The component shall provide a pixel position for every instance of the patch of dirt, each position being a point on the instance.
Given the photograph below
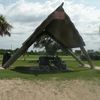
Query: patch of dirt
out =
(18, 89)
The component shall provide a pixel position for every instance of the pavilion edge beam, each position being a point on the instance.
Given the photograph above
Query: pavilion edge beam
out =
(87, 56)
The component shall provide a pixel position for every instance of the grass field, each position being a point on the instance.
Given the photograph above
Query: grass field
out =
(31, 60)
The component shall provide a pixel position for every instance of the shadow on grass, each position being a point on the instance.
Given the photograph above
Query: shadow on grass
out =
(98, 71)
(36, 71)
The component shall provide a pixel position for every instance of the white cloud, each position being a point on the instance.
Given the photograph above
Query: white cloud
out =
(84, 17)
(2, 10)
(22, 14)
(25, 16)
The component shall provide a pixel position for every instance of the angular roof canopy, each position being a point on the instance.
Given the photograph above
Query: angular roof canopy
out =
(59, 26)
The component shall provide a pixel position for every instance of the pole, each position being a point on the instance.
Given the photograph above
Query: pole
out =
(76, 58)
(87, 56)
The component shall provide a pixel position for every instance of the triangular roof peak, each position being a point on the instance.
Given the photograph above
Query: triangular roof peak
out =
(59, 26)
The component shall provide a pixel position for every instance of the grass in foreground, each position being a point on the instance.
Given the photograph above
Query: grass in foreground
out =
(85, 74)
(78, 73)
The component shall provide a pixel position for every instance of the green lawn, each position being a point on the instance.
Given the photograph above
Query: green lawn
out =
(78, 73)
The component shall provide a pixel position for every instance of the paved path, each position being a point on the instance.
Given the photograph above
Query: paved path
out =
(95, 67)
(1, 68)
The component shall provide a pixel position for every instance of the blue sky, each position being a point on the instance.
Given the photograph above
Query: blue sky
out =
(26, 15)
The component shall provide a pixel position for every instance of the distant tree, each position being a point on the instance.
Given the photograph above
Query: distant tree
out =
(50, 45)
(15, 49)
(2, 51)
(5, 27)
